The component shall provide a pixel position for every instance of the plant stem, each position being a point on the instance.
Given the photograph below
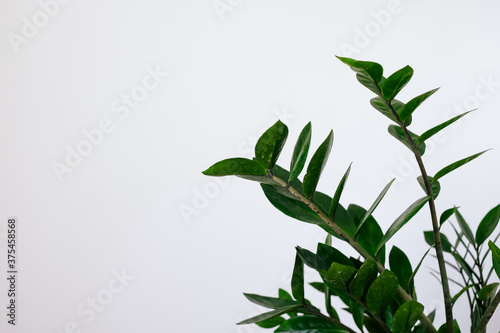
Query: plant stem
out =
(435, 226)
(355, 245)
(481, 327)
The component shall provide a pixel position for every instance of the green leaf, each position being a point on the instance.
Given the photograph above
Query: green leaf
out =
(417, 268)
(402, 220)
(338, 193)
(300, 152)
(397, 81)
(369, 69)
(435, 186)
(268, 315)
(312, 260)
(308, 324)
(374, 205)
(291, 207)
(446, 215)
(429, 238)
(373, 326)
(381, 105)
(298, 279)
(415, 103)
(456, 328)
(270, 302)
(339, 275)
(365, 276)
(400, 265)
(236, 167)
(284, 294)
(495, 256)
(465, 266)
(357, 312)
(270, 144)
(344, 220)
(487, 225)
(370, 234)
(271, 322)
(399, 134)
(407, 316)
(465, 227)
(381, 292)
(330, 255)
(457, 296)
(488, 291)
(316, 166)
(368, 83)
(426, 135)
(446, 170)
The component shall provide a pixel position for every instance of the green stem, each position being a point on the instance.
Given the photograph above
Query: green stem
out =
(355, 245)
(481, 327)
(435, 225)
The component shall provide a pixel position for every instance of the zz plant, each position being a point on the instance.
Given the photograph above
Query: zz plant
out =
(377, 289)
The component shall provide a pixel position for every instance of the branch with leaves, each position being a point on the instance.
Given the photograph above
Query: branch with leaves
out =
(379, 298)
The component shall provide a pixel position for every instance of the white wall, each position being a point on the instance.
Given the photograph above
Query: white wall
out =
(224, 71)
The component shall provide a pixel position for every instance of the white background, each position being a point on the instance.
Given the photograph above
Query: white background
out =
(137, 203)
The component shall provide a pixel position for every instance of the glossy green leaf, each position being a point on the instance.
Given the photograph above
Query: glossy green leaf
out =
(465, 227)
(236, 167)
(365, 276)
(270, 144)
(298, 279)
(415, 103)
(402, 220)
(270, 302)
(488, 291)
(446, 215)
(369, 69)
(369, 83)
(460, 293)
(268, 315)
(495, 256)
(339, 275)
(426, 135)
(463, 264)
(399, 134)
(308, 324)
(312, 260)
(429, 239)
(330, 255)
(381, 292)
(380, 105)
(487, 225)
(300, 152)
(284, 294)
(271, 322)
(370, 234)
(291, 207)
(400, 265)
(446, 170)
(338, 193)
(407, 316)
(415, 271)
(397, 81)
(344, 220)
(374, 206)
(435, 186)
(316, 166)
(456, 328)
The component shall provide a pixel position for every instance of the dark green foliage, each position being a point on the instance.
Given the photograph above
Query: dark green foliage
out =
(378, 299)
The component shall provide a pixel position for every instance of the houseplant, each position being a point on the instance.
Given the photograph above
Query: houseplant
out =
(377, 287)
